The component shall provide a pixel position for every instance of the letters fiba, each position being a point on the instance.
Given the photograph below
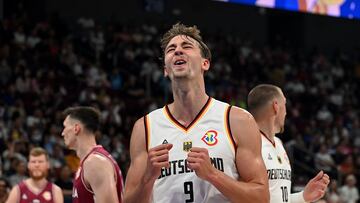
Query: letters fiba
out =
(180, 167)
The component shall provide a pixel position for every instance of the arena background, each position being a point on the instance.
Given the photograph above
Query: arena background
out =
(56, 54)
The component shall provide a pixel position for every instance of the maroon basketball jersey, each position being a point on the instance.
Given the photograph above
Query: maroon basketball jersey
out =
(82, 192)
(27, 196)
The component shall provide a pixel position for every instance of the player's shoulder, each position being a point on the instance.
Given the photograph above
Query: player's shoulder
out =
(95, 160)
(240, 114)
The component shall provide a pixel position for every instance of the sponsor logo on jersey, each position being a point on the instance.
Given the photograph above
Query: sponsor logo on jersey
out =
(270, 157)
(210, 138)
(187, 145)
(24, 196)
(165, 141)
(47, 196)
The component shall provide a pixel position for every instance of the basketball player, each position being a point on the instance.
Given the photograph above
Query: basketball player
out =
(196, 149)
(98, 178)
(267, 105)
(36, 189)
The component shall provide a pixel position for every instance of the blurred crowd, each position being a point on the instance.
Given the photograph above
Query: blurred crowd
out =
(48, 65)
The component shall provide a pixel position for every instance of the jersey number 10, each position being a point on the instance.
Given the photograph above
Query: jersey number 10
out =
(285, 194)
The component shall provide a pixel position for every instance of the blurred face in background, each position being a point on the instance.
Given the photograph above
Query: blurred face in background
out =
(280, 106)
(38, 167)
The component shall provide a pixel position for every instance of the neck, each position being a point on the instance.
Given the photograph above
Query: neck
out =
(267, 127)
(187, 103)
(87, 144)
(37, 183)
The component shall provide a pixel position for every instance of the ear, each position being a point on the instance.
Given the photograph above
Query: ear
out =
(165, 72)
(205, 64)
(77, 128)
(275, 106)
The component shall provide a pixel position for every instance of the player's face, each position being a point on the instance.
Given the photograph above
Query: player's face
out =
(38, 167)
(69, 133)
(281, 113)
(183, 58)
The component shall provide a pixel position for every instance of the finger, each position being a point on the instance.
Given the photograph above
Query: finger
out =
(318, 176)
(326, 179)
(162, 164)
(198, 149)
(193, 154)
(158, 159)
(159, 153)
(194, 166)
(193, 160)
(161, 147)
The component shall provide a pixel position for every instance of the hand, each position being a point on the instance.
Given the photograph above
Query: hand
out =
(199, 161)
(158, 157)
(316, 187)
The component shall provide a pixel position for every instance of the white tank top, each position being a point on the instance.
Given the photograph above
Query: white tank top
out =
(178, 184)
(278, 170)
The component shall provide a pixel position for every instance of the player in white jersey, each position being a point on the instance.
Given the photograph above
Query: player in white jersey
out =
(267, 103)
(196, 149)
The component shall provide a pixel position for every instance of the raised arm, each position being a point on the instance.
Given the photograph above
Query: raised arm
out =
(100, 175)
(145, 166)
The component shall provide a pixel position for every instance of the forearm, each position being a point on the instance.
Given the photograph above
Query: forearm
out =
(297, 197)
(141, 193)
(239, 191)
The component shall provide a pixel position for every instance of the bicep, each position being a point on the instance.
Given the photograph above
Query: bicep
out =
(102, 183)
(138, 155)
(248, 152)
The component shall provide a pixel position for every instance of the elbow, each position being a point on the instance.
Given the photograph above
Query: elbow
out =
(263, 194)
(266, 195)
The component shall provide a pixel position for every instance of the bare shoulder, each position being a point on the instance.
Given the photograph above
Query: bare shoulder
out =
(240, 114)
(137, 141)
(95, 161)
(242, 124)
(56, 187)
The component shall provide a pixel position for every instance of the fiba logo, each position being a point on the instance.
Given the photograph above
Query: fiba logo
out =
(210, 138)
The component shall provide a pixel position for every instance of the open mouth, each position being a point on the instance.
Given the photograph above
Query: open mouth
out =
(179, 62)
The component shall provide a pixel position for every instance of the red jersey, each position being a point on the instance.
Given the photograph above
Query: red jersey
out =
(27, 196)
(82, 192)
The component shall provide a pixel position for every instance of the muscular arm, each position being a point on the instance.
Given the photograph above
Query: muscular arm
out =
(100, 175)
(252, 185)
(145, 166)
(58, 194)
(14, 195)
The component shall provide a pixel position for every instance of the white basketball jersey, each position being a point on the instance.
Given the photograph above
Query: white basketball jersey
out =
(179, 184)
(278, 170)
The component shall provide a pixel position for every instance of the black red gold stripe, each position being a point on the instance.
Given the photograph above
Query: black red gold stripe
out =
(228, 128)
(197, 117)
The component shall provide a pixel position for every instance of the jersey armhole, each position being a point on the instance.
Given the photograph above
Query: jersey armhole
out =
(147, 133)
(228, 127)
